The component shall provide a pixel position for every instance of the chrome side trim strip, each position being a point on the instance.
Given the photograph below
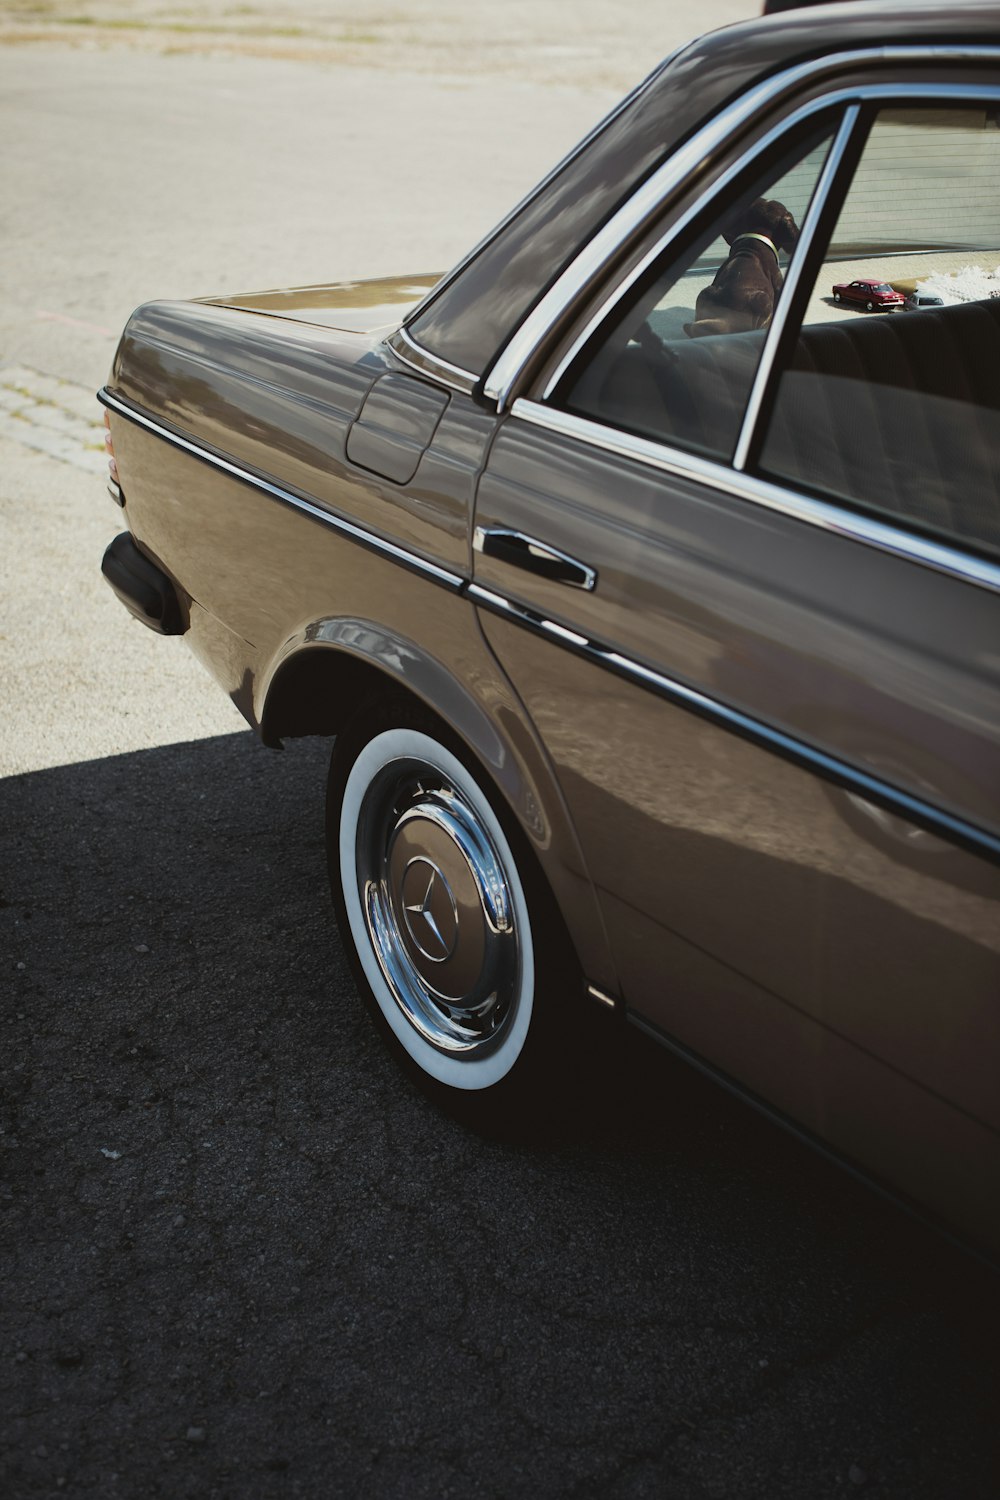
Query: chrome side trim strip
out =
(793, 276)
(689, 161)
(351, 529)
(829, 767)
(853, 525)
(425, 363)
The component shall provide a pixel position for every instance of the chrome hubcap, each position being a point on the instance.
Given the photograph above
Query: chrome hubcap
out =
(438, 909)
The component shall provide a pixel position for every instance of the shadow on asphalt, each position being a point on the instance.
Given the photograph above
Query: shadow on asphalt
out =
(241, 1256)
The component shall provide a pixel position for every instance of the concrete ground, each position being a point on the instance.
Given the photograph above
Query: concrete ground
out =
(154, 151)
(238, 1256)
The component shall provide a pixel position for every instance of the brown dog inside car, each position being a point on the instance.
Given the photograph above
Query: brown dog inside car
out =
(747, 284)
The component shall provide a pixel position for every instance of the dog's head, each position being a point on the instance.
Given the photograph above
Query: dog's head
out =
(764, 216)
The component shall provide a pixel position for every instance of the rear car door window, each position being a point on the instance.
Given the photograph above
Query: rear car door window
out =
(676, 359)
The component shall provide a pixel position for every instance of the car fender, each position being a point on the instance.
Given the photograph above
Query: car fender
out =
(330, 665)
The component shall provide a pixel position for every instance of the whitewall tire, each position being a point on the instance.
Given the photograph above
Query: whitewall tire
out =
(439, 911)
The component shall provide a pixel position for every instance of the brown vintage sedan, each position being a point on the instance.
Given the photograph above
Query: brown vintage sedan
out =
(653, 600)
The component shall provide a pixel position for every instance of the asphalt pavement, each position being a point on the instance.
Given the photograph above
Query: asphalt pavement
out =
(239, 1255)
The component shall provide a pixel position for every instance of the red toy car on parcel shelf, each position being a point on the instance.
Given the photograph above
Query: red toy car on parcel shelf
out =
(870, 293)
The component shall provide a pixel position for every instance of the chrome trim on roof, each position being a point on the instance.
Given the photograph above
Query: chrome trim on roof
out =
(853, 525)
(687, 162)
(425, 363)
(350, 529)
(851, 778)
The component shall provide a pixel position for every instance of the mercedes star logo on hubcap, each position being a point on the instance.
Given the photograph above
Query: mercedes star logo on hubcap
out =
(429, 910)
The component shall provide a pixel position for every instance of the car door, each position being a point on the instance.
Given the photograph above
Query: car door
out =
(747, 587)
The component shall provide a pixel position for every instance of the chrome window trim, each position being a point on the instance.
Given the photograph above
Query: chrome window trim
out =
(793, 276)
(853, 525)
(853, 98)
(688, 159)
(351, 529)
(842, 773)
(677, 228)
(425, 363)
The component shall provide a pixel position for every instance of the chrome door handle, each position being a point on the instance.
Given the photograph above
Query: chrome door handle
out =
(535, 556)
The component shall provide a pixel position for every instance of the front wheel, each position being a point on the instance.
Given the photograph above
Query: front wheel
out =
(437, 912)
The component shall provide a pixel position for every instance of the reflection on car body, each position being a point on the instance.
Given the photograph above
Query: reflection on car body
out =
(662, 669)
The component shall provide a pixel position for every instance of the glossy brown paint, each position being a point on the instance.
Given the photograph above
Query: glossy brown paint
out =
(754, 915)
(754, 925)
(282, 400)
(395, 427)
(265, 585)
(373, 306)
(839, 964)
(816, 634)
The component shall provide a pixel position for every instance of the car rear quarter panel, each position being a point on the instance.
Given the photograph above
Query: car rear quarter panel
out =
(267, 582)
(280, 400)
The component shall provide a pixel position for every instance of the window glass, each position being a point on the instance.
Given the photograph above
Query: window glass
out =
(675, 362)
(891, 396)
(468, 322)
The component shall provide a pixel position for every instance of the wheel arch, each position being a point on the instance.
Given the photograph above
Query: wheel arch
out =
(325, 674)
(330, 668)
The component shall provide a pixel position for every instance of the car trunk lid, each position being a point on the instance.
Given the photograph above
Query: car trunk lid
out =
(355, 306)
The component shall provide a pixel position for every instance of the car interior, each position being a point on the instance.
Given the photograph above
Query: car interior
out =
(894, 411)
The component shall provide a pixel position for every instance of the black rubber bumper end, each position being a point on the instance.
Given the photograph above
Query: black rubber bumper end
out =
(143, 588)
